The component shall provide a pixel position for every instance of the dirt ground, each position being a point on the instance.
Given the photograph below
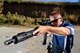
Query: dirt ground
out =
(32, 45)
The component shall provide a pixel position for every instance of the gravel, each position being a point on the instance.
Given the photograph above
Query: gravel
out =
(32, 45)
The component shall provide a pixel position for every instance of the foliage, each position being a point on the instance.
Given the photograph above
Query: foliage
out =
(2, 19)
(12, 19)
(15, 19)
(18, 19)
(73, 19)
(12, 1)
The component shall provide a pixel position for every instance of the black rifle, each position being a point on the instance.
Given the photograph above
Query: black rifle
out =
(44, 22)
(21, 37)
(26, 35)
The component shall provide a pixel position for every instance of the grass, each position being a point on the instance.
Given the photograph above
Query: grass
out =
(20, 20)
(17, 20)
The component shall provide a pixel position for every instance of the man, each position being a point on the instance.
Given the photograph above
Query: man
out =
(62, 32)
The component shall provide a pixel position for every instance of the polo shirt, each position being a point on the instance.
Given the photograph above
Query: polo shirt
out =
(62, 43)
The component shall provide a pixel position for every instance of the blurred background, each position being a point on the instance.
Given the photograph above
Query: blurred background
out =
(28, 12)
(23, 15)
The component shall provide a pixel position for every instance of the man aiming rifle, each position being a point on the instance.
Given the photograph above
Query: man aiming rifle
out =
(63, 33)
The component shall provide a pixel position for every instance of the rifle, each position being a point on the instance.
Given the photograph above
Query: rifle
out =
(21, 37)
(44, 22)
(26, 35)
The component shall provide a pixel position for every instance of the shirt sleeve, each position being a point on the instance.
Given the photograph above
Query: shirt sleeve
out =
(71, 29)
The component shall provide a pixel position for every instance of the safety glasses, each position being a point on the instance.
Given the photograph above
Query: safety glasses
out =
(55, 20)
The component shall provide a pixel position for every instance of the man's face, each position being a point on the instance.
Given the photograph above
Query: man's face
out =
(55, 20)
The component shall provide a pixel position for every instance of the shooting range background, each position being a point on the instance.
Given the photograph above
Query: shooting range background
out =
(32, 45)
(35, 10)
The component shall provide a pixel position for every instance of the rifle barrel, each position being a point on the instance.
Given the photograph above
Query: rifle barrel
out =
(9, 41)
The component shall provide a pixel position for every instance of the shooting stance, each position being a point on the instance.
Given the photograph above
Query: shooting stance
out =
(62, 32)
